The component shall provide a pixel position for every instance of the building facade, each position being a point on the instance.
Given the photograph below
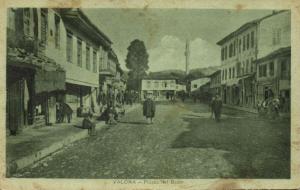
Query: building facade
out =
(197, 83)
(274, 76)
(239, 54)
(85, 49)
(215, 82)
(35, 80)
(162, 89)
(53, 55)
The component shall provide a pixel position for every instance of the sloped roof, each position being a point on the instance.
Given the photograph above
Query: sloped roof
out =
(279, 52)
(246, 26)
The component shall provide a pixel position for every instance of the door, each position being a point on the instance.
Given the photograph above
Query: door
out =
(15, 107)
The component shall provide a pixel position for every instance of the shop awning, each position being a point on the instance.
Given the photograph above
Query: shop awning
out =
(48, 77)
(48, 81)
(81, 83)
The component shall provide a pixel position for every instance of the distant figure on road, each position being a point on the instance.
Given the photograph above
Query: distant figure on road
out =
(88, 123)
(149, 109)
(217, 107)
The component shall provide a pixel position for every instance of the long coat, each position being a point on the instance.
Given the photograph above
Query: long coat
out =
(149, 108)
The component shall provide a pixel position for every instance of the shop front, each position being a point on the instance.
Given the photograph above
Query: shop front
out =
(32, 86)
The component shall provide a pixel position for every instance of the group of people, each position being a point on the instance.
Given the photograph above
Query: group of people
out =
(272, 106)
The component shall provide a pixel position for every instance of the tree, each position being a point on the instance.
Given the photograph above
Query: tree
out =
(137, 63)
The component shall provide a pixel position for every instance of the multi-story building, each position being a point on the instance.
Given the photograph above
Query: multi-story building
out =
(35, 80)
(239, 53)
(161, 88)
(84, 51)
(54, 55)
(215, 82)
(108, 71)
(274, 58)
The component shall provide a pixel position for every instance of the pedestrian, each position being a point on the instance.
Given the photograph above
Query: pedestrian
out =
(182, 96)
(66, 111)
(217, 107)
(111, 115)
(149, 109)
(87, 123)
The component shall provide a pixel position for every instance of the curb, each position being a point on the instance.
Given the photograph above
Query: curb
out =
(23, 162)
(241, 109)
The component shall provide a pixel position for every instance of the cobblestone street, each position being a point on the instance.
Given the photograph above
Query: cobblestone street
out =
(184, 142)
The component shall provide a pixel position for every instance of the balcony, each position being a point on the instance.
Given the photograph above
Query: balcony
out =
(27, 43)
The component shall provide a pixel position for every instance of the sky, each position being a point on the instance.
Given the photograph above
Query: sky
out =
(165, 32)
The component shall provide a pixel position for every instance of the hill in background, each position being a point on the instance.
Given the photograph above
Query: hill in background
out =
(180, 75)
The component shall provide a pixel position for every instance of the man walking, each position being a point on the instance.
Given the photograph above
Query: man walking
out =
(149, 109)
(217, 107)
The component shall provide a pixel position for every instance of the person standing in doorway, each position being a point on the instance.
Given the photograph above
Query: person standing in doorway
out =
(149, 109)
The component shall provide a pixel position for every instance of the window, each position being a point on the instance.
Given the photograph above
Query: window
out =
(243, 67)
(88, 66)
(225, 52)
(222, 74)
(26, 20)
(240, 45)
(284, 70)
(230, 50)
(259, 71)
(148, 84)
(271, 68)
(244, 43)
(252, 65)
(276, 36)
(248, 41)
(195, 85)
(101, 58)
(252, 39)
(44, 25)
(238, 69)
(95, 61)
(57, 31)
(225, 74)
(229, 76)
(247, 66)
(234, 47)
(233, 72)
(79, 52)
(69, 47)
(264, 70)
(222, 54)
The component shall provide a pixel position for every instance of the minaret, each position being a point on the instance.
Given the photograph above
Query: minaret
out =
(187, 57)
